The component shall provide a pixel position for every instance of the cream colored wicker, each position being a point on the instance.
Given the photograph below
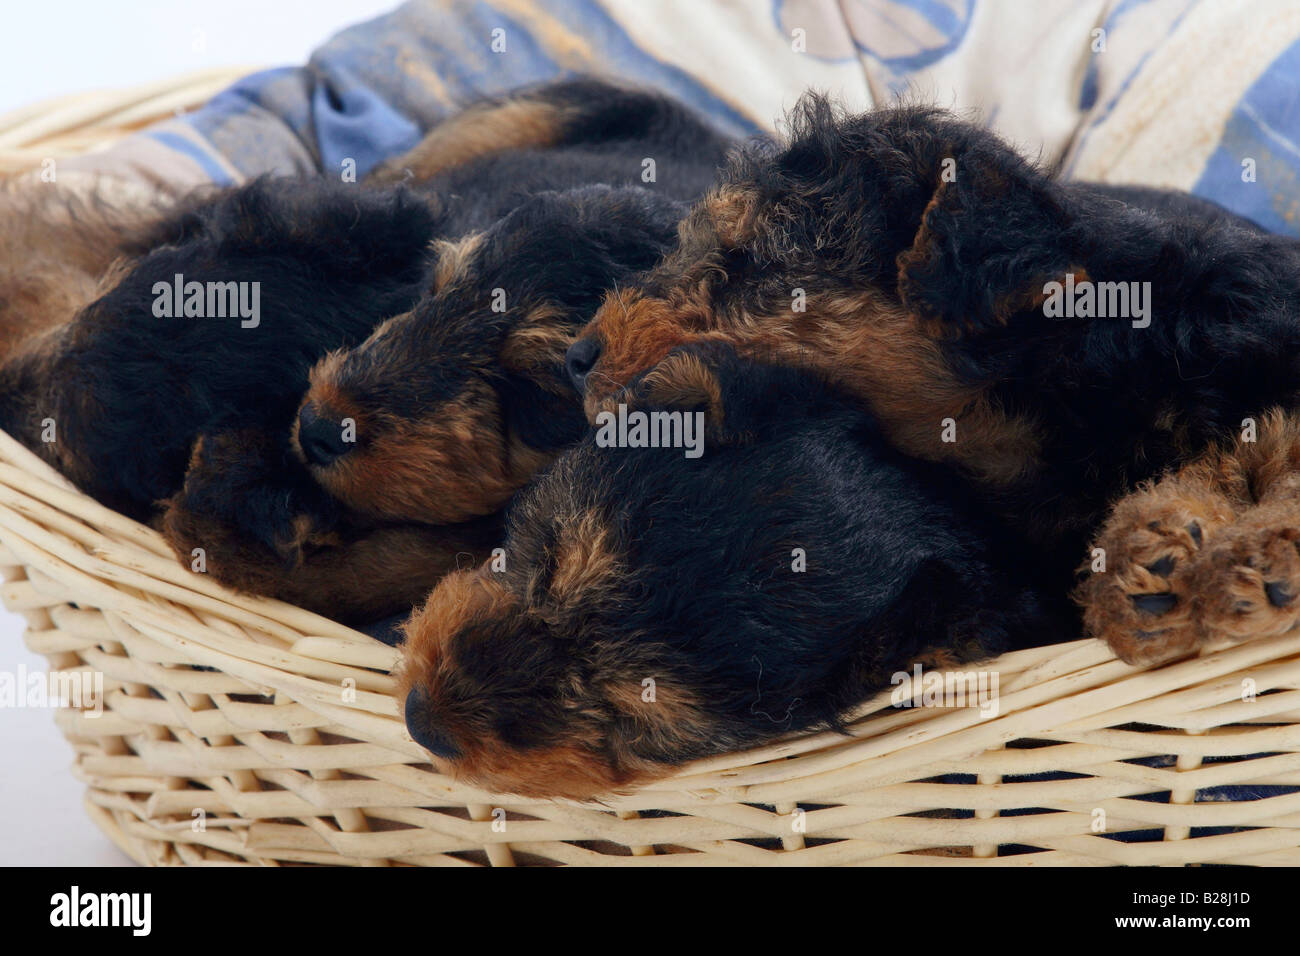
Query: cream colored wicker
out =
(243, 730)
(88, 121)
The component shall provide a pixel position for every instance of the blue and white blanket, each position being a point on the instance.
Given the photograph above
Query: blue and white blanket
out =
(1202, 95)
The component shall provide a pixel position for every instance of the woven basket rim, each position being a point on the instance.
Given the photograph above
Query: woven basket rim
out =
(1042, 686)
(79, 123)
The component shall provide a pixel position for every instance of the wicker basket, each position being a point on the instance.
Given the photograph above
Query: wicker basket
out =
(89, 121)
(243, 730)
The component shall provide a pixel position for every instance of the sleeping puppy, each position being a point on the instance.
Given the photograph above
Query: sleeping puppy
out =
(669, 601)
(213, 324)
(1059, 343)
(550, 196)
(183, 370)
(406, 447)
(172, 392)
(446, 410)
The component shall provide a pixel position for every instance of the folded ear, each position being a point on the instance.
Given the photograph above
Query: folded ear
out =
(740, 397)
(358, 233)
(567, 247)
(690, 378)
(992, 235)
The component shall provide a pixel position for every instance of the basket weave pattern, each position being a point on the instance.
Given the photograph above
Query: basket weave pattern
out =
(88, 121)
(243, 730)
(280, 727)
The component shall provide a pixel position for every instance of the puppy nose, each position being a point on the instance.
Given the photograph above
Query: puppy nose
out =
(580, 360)
(320, 438)
(420, 727)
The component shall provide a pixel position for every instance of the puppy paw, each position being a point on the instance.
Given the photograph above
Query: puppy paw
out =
(1248, 582)
(1144, 603)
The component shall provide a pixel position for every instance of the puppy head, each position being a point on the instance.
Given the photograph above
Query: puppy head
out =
(651, 608)
(445, 411)
(520, 677)
(210, 320)
(687, 298)
(498, 695)
(421, 421)
(829, 251)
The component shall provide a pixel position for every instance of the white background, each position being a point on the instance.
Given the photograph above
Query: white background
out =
(54, 48)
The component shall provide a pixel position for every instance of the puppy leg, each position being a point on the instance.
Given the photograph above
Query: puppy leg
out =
(571, 112)
(1209, 552)
(1248, 582)
(369, 576)
(516, 122)
(1142, 602)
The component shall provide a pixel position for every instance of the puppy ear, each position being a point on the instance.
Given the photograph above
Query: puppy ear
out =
(565, 248)
(740, 397)
(688, 379)
(919, 202)
(360, 233)
(992, 235)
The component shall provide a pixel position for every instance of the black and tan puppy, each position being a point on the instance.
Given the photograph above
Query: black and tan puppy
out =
(214, 325)
(448, 409)
(922, 264)
(172, 392)
(453, 407)
(202, 335)
(663, 603)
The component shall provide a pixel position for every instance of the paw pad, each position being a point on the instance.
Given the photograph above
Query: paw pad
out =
(1155, 604)
(1164, 567)
(1278, 594)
